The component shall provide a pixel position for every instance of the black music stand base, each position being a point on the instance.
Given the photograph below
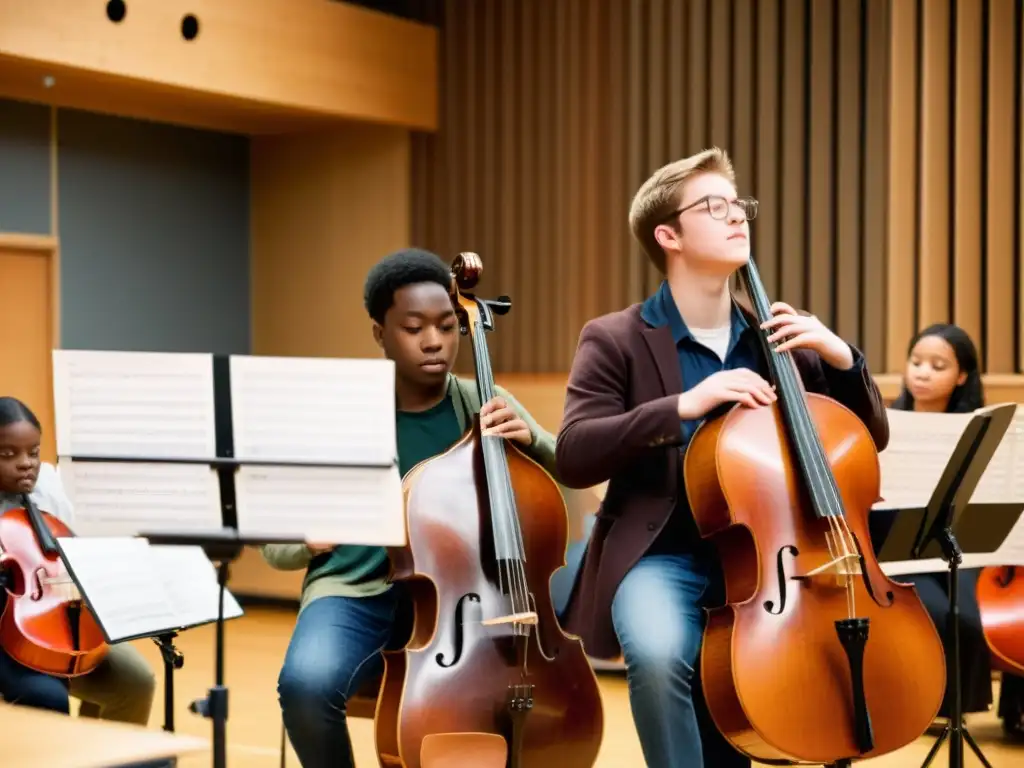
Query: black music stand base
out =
(215, 705)
(173, 659)
(955, 730)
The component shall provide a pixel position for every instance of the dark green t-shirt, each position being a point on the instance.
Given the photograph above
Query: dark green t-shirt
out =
(425, 434)
(421, 435)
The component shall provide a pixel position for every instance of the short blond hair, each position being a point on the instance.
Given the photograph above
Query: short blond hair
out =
(662, 193)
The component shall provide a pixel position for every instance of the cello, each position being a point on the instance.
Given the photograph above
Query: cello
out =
(46, 624)
(817, 656)
(1000, 593)
(488, 677)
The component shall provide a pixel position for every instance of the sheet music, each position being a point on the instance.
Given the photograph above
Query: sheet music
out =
(313, 409)
(125, 593)
(124, 499)
(134, 404)
(342, 506)
(920, 446)
(1004, 477)
(190, 580)
(138, 590)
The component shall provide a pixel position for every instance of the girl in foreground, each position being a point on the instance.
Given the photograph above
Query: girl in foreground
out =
(121, 688)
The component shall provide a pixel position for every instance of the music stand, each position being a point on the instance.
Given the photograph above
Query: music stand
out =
(173, 659)
(141, 607)
(920, 534)
(222, 550)
(333, 437)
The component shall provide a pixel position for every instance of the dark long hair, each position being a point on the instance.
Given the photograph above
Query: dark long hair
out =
(966, 397)
(12, 411)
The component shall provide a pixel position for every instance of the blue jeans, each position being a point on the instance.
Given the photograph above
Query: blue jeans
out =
(658, 617)
(334, 650)
(24, 686)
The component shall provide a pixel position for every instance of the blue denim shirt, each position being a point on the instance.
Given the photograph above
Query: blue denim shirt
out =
(697, 362)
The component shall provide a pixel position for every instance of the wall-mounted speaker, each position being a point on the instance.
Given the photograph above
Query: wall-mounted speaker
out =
(189, 27)
(116, 10)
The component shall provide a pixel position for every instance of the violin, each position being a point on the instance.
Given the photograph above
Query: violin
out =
(1000, 594)
(46, 624)
(817, 656)
(488, 677)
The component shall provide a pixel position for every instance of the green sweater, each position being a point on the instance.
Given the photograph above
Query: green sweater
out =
(360, 571)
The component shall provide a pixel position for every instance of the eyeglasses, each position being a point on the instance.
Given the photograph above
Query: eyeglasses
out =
(719, 207)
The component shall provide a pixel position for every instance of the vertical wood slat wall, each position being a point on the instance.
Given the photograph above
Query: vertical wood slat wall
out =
(955, 194)
(883, 137)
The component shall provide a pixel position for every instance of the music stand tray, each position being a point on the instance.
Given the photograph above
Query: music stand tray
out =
(921, 534)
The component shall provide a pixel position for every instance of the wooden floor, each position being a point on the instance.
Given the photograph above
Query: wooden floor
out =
(255, 647)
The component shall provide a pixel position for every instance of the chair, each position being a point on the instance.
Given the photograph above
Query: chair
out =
(363, 703)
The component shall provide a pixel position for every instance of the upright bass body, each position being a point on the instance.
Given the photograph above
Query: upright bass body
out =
(488, 678)
(817, 656)
(1000, 593)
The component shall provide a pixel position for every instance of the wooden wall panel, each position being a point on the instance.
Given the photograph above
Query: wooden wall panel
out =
(954, 248)
(901, 295)
(1000, 227)
(934, 156)
(882, 138)
(874, 276)
(325, 207)
(255, 65)
(851, 154)
(968, 169)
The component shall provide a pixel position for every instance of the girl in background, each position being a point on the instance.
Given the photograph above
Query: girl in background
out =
(121, 688)
(943, 376)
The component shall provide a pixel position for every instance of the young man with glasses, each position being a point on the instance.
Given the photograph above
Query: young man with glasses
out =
(642, 380)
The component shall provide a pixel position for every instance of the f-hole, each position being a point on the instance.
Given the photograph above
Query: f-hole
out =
(460, 619)
(769, 605)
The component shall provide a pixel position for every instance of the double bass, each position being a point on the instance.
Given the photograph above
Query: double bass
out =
(817, 656)
(1000, 593)
(46, 625)
(488, 677)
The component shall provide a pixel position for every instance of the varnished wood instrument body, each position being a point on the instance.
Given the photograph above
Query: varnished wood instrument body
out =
(486, 653)
(1000, 594)
(46, 624)
(817, 655)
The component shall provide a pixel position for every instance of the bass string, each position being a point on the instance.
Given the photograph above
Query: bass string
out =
(817, 472)
(508, 536)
